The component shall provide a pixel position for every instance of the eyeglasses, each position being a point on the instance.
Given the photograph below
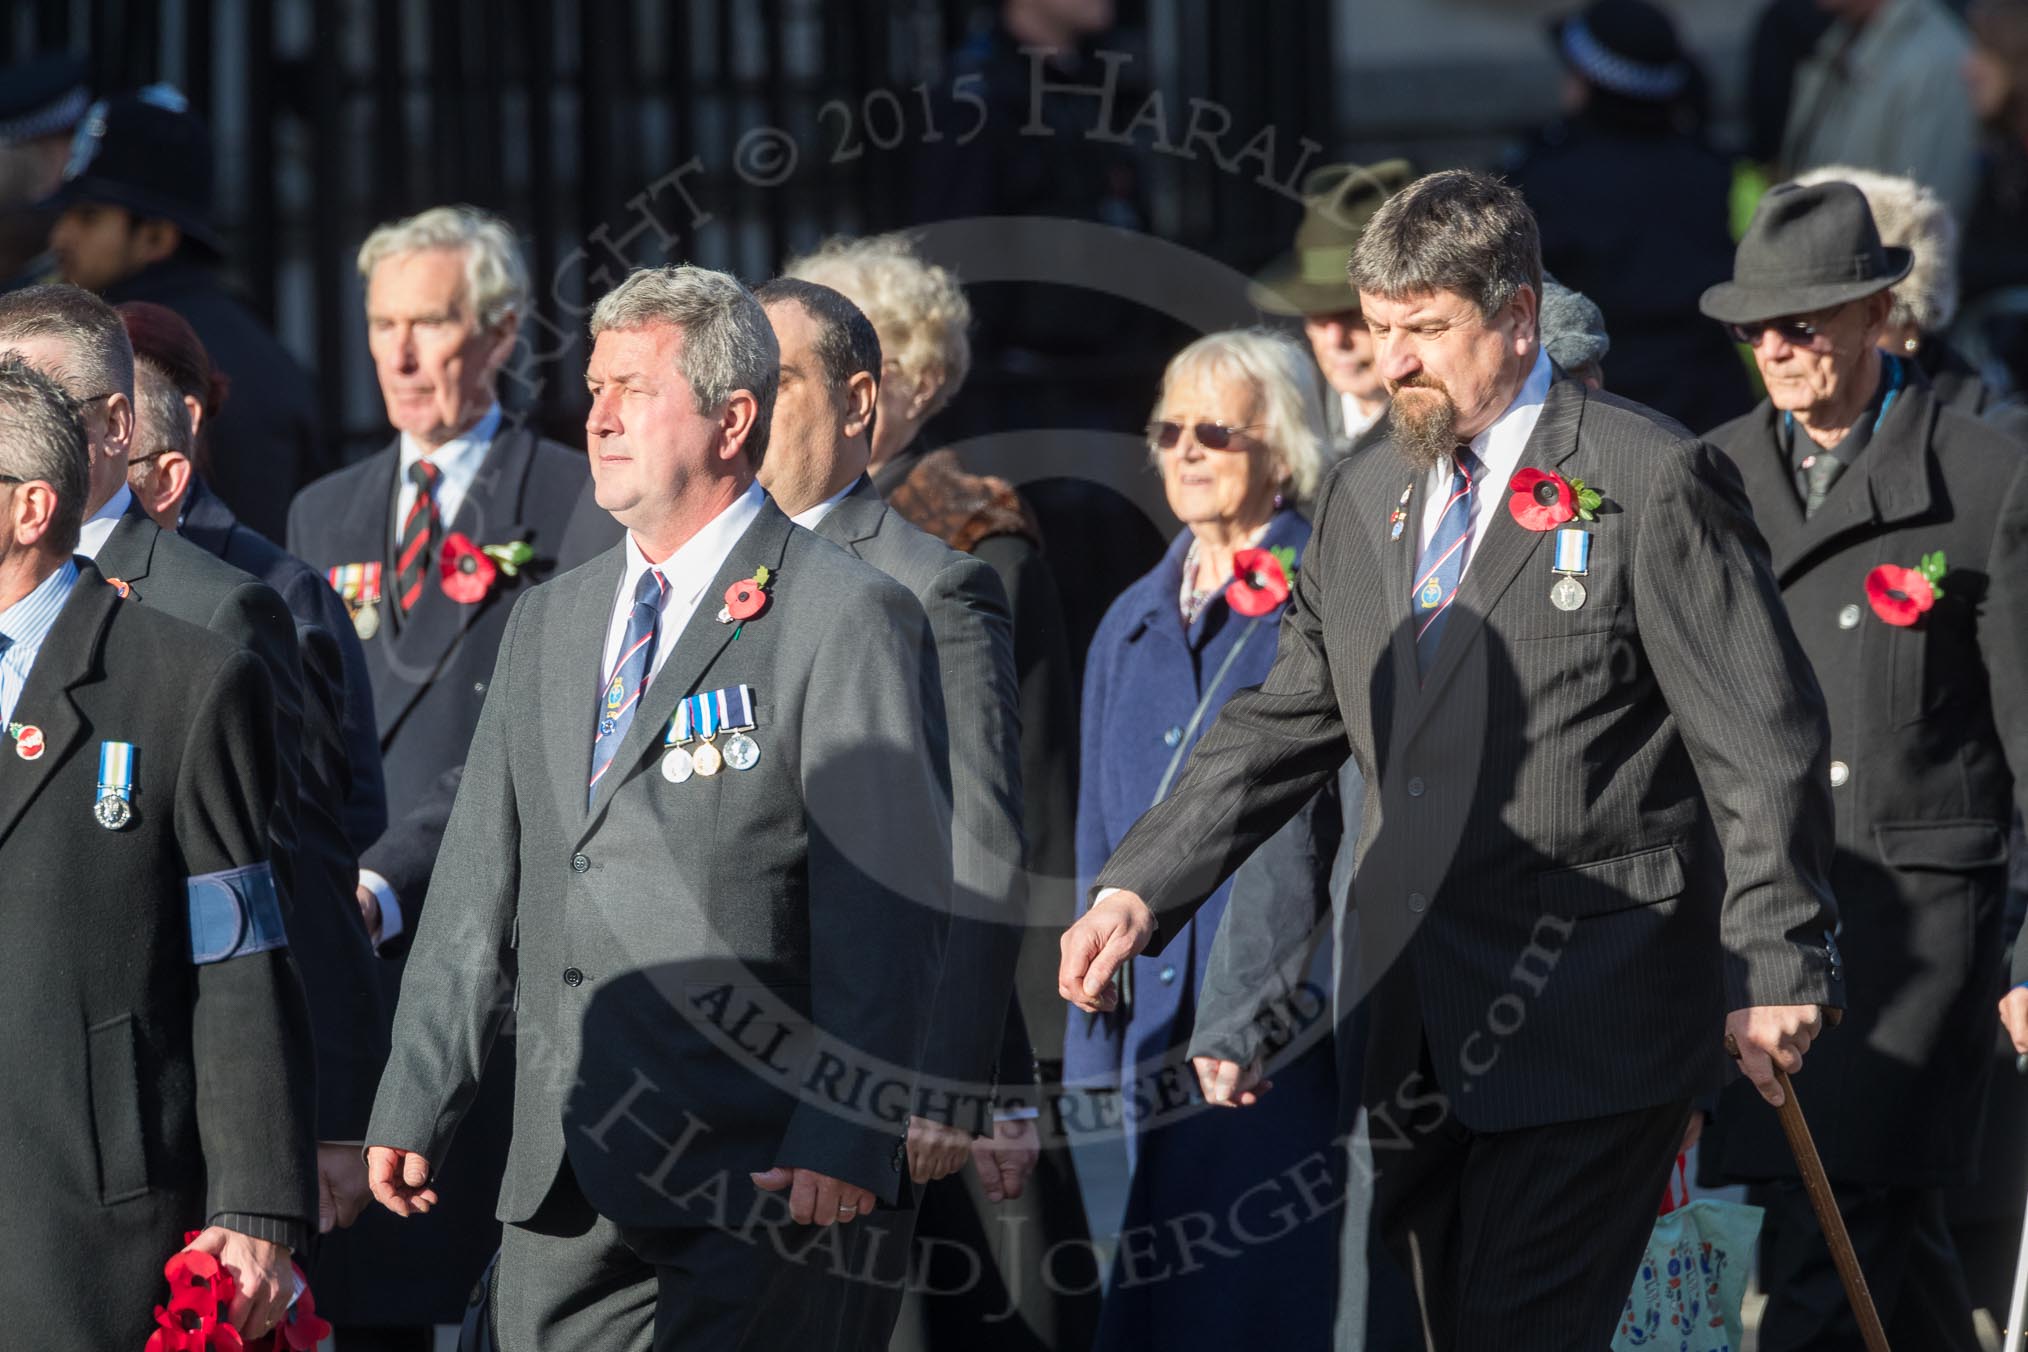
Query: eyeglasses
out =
(1804, 331)
(1165, 436)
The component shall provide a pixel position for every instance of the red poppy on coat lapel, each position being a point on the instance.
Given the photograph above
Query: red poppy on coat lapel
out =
(465, 570)
(1259, 583)
(1540, 500)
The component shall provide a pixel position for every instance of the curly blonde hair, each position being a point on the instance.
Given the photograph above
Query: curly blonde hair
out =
(1909, 216)
(918, 308)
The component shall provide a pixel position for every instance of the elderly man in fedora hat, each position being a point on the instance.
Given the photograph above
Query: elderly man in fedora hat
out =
(1899, 535)
(1309, 282)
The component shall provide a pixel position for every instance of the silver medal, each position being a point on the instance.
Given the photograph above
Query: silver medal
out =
(706, 760)
(742, 752)
(676, 765)
(113, 812)
(366, 621)
(1567, 594)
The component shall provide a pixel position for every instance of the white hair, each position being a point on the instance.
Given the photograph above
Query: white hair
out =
(917, 307)
(1909, 216)
(496, 278)
(1282, 372)
(728, 344)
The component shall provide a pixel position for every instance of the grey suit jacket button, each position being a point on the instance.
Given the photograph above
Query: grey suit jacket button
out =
(1417, 902)
(900, 1156)
(572, 977)
(1848, 618)
(1416, 788)
(579, 863)
(1840, 772)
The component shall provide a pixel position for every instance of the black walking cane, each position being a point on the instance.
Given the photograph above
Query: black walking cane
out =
(1811, 1165)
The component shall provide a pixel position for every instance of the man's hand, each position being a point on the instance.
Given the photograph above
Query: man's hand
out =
(2014, 1017)
(935, 1150)
(400, 1180)
(262, 1270)
(342, 1192)
(369, 911)
(1006, 1158)
(1095, 948)
(1771, 1035)
(814, 1198)
(1227, 1084)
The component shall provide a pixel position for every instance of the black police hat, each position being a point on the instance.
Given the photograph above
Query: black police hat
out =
(146, 152)
(42, 96)
(1625, 47)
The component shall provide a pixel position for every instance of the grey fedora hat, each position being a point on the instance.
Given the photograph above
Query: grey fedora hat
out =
(1808, 248)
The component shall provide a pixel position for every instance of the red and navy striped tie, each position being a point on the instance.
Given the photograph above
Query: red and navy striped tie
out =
(418, 537)
(1443, 563)
(621, 694)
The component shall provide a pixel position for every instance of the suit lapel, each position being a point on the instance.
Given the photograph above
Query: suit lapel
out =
(1506, 544)
(1770, 487)
(857, 517)
(697, 647)
(570, 671)
(129, 552)
(68, 659)
(1398, 555)
(489, 514)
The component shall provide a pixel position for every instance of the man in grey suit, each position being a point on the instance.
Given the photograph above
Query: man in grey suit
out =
(1598, 819)
(820, 445)
(701, 852)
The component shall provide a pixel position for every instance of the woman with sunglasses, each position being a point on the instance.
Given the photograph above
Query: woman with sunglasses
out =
(1237, 436)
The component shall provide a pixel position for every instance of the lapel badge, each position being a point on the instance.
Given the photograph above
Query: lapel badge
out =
(1397, 521)
(28, 742)
(358, 585)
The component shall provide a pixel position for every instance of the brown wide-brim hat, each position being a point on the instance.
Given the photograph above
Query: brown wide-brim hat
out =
(1338, 201)
(1809, 248)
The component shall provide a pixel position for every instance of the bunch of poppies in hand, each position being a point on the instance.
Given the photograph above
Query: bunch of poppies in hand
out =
(200, 1295)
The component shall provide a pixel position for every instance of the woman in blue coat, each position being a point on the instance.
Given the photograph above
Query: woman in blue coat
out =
(1230, 1226)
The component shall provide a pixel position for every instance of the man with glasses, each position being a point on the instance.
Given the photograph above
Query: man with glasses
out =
(160, 1064)
(1899, 535)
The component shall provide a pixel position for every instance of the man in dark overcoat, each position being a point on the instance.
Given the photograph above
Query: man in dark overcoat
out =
(1899, 535)
(159, 1058)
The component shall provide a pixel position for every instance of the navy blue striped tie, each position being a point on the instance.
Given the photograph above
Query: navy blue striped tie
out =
(621, 693)
(1443, 563)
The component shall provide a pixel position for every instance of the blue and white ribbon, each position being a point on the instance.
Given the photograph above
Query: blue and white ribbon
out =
(1573, 551)
(116, 769)
(709, 713)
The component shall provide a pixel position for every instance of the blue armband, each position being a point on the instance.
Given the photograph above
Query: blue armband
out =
(234, 913)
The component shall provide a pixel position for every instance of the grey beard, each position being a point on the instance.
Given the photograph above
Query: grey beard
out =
(1424, 440)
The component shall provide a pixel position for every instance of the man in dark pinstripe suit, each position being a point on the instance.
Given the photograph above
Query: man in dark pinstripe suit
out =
(1598, 824)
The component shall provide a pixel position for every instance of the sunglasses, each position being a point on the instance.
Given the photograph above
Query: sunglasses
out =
(1795, 330)
(1165, 436)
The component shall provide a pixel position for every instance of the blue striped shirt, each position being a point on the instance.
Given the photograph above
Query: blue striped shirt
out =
(23, 627)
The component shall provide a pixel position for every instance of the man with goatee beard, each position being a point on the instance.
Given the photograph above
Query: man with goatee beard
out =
(1598, 818)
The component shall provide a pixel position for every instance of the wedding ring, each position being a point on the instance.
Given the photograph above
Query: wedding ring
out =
(848, 1211)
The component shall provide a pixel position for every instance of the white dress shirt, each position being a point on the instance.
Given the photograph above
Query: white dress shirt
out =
(1499, 450)
(457, 462)
(812, 517)
(98, 527)
(24, 625)
(1357, 421)
(688, 572)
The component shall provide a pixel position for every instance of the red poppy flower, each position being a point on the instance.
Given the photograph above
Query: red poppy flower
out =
(1540, 501)
(1258, 584)
(467, 574)
(1899, 595)
(745, 599)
